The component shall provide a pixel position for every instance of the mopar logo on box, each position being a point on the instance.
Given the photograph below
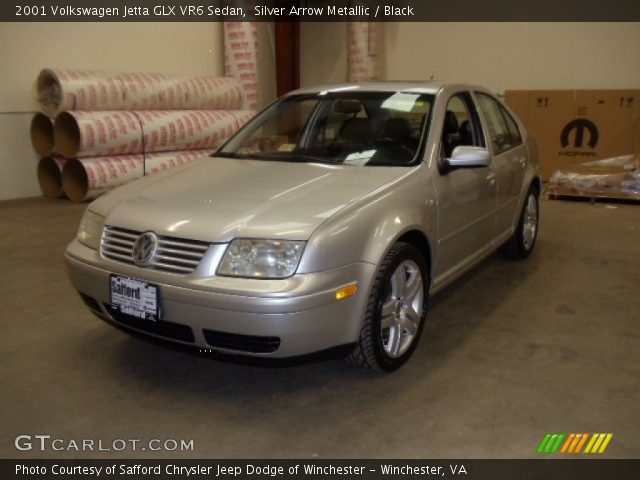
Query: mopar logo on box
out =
(575, 134)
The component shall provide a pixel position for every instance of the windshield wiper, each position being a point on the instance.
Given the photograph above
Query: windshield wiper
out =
(280, 157)
(227, 155)
(313, 158)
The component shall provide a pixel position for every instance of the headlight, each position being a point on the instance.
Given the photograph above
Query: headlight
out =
(261, 258)
(90, 229)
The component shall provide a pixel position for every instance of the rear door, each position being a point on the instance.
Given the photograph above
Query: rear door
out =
(509, 162)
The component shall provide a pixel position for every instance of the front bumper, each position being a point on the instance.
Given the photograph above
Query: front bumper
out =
(300, 311)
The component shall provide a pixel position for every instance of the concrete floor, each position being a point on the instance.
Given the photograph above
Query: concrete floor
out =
(512, 351)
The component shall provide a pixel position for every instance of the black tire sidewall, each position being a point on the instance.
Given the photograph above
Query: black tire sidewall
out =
(402, 253)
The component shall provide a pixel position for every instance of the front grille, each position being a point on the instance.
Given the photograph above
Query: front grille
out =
(175, 331)
(243, 343)
(174, 255)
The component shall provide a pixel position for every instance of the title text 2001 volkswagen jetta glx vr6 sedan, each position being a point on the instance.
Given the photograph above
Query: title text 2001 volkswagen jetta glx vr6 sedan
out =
(327, 221)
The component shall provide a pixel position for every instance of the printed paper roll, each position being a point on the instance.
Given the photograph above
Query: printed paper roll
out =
(58, 90)
(87, 178)
(41, 132)
(50, 176)
(363, 54)
(93, 134)
(241, 59)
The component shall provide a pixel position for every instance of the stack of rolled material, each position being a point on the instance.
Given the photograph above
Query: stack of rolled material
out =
(99, 130)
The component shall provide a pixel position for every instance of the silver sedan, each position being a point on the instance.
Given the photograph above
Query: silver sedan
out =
(325, 223)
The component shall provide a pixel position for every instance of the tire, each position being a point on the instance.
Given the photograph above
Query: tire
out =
(521, 243)
(404, 304)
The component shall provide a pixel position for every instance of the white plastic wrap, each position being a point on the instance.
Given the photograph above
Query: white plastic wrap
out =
(241, 59)
(58, 90)
(615, 178)
(87, 178)
(363, 51)
(92, 134)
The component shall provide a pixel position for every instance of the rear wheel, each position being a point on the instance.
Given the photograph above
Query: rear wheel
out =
(521, 243)
(396, 311)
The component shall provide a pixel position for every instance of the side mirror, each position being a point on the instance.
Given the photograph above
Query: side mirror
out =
(465, 157)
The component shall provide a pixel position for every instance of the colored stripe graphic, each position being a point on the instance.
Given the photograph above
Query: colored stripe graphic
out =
(550, 443)
(581, 443)
(567, 442)
(572, 443)
(598, 442)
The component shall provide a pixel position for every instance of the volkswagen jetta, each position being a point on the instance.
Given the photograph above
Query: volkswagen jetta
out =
(327, 221)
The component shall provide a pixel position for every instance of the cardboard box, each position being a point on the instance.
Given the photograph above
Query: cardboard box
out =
(577, 126)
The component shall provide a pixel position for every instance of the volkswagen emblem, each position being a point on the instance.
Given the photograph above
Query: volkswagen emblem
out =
(144, 248)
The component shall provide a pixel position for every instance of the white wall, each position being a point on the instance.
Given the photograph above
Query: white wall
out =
(500, 56)
(26, 48)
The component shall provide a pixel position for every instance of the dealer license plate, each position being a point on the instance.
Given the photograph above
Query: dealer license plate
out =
(134, 297)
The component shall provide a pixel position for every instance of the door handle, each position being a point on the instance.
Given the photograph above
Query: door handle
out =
(491, 177)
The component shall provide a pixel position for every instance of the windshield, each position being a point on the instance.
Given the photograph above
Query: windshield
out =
(350, 128)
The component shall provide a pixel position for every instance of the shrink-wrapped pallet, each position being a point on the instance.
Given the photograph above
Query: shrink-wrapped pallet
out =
(612, 178)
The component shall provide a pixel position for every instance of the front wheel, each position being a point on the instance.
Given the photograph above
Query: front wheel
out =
(396, 311)
(521, 243)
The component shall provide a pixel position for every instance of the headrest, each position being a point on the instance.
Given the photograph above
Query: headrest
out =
(356, 129)
(397, 128)
(450, 123)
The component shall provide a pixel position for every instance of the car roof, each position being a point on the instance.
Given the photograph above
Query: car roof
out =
(431, 87)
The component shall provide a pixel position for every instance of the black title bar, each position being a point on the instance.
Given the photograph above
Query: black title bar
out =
(556, 468)
(318, 10)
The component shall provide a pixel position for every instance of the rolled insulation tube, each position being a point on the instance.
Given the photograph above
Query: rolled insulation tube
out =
(87, 178)
(363, 51)
(58, 90)
(41, 132)
(241, 59)
(50, 176)
(94, 134)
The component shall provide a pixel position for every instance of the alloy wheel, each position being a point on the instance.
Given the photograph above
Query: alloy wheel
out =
(530, 222)
(402, 309)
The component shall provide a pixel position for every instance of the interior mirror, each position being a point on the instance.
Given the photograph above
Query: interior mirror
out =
(347, 106)
(469, 157)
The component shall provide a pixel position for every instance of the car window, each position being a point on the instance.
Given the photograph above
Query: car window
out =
(278, 136)
(498, 128)
(514, 131)
(351, 128)
(461, 126)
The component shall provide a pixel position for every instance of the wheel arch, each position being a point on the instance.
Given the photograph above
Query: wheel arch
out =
(418, 239)
(535, 182)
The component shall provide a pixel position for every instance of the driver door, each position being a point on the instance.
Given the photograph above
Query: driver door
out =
(466, 196)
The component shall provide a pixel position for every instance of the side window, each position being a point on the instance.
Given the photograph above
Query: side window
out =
(461, 125)
(514, 132)
(498, 128)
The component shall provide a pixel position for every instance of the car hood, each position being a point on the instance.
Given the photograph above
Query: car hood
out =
(218, 199)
